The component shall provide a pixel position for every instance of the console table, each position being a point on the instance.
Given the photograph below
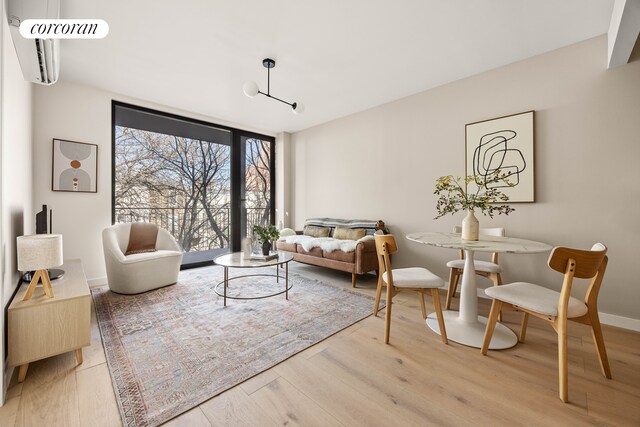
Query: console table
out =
(42, 327)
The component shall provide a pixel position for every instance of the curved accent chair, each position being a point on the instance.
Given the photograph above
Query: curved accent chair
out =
(140, 272)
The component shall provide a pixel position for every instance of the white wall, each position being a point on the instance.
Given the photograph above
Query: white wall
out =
(15, 141)
(382, 163)
(283, 179)
(2, 320)
(82, 113)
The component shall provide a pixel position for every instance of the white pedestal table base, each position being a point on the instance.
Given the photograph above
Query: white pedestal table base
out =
(472, 333)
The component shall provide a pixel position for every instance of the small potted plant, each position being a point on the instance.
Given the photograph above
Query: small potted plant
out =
(265, 236)
(456, 194)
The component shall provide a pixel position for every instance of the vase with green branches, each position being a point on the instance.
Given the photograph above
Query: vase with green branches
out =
(482, 192)
(265, 236)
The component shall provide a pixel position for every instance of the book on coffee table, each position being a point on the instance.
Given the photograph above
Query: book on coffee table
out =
(260, 257)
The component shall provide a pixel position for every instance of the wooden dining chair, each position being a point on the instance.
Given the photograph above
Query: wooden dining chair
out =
(417, 279)
(558, 307)
(490, 270)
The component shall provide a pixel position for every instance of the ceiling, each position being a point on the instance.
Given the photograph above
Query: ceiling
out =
(337, 57)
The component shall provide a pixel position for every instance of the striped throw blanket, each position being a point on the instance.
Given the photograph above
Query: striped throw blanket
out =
(368, 225)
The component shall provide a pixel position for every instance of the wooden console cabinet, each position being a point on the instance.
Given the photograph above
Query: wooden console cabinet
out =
(42, 327)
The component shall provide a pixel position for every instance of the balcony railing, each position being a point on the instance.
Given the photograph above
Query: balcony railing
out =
(194, 229)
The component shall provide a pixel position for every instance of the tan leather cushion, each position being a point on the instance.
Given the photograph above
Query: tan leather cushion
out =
(340, 256)
(349, 233)
(142, 238)
(314, 251)
(313, 231)
(284, 246)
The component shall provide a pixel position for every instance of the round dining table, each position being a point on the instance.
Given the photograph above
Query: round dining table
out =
(465, 326)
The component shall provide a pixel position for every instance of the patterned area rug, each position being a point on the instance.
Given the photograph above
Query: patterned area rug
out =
(171, 349)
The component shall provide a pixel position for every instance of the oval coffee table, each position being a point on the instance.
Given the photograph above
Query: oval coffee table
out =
(237, 260)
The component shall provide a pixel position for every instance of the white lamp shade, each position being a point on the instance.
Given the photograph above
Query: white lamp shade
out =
(39, 252)
(299, 108)
(250, 89)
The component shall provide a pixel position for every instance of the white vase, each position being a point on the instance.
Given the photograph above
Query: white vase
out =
(470, 226)
(247, 247)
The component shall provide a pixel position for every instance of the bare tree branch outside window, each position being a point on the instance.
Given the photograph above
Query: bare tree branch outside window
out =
(183, 185)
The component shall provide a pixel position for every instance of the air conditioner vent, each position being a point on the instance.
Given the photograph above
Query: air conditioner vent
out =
(39, 58)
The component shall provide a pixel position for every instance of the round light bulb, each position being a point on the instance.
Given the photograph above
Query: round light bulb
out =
(299, 108)
(250, 89)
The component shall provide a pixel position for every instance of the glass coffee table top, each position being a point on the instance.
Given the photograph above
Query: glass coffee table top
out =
(237, 260)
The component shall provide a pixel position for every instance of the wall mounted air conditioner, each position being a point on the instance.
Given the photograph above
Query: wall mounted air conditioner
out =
(39, 58)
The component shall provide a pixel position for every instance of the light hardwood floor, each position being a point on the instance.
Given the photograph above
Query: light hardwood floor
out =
(353, 378)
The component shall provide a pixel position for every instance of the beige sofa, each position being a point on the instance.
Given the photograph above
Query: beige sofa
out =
(360, 260)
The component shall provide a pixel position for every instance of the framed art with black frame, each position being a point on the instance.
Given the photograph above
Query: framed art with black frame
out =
(74, 167)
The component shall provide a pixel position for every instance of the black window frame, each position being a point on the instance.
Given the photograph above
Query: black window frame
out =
(235, 234)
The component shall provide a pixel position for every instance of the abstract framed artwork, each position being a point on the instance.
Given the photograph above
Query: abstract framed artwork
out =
(503, 144)
(74, 167)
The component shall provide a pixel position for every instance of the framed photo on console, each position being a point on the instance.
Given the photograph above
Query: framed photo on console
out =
(504, 144)
(74, 167)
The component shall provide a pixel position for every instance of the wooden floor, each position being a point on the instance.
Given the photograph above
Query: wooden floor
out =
(354, 379)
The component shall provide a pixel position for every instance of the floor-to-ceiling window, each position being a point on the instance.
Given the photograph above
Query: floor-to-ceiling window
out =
(256, 183)
(206, 184)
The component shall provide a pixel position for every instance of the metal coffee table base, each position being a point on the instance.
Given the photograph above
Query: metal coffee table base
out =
(227, 279)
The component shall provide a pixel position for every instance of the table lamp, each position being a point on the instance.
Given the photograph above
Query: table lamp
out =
(39, 252)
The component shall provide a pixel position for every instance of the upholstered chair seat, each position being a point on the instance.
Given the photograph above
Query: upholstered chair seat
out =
(480, 266)
(414, 277)
(536, 298)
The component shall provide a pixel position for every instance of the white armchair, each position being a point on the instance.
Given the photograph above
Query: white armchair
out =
(141, 272)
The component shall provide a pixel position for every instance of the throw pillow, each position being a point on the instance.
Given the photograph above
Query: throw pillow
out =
(287, 232)
(349, 233)
(142, 238)
(310, 230)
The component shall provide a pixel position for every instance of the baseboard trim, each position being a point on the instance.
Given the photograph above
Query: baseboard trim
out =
(620, 321)
(97, 282)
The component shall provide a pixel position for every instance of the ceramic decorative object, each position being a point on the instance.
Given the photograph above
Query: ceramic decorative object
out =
(470, 226)
(247, 247)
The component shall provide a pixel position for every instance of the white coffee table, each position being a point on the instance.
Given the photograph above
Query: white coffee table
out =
(237, 260)
(466, 327)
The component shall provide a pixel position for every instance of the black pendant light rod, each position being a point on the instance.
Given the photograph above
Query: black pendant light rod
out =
(269, 64)
(251, 88)
(278, 99)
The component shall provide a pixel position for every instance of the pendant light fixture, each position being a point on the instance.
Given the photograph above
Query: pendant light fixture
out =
(251, 88)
